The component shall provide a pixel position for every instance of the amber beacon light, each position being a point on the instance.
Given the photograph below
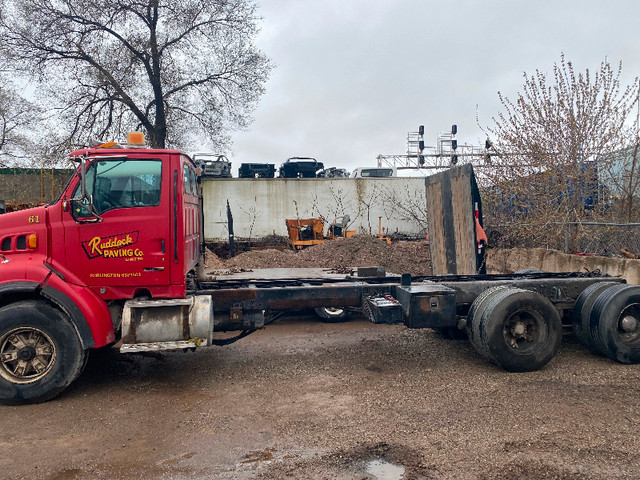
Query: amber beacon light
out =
(135, 139)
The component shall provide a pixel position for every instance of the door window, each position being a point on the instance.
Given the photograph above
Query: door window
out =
(117, 183)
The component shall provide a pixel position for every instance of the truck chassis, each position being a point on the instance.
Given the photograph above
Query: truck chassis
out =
(515, 321)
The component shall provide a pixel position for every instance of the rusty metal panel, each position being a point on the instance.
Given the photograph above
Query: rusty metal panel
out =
(450, 210)
(464, 224)
(236, 295)
(328, 301)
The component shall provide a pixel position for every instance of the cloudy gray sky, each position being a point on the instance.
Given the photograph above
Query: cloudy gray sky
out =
(352, 77)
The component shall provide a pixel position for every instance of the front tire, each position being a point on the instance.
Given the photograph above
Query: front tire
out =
(40, 352)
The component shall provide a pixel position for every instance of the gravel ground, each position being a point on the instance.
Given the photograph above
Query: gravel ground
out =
(303, 399)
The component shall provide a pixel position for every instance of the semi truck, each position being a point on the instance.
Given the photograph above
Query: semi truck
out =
(117, 261)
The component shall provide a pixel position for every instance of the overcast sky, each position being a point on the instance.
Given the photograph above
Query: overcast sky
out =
(352, 77)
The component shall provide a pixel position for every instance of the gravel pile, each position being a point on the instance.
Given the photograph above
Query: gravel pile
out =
(359, 251)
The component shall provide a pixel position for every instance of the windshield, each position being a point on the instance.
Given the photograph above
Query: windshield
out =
(302, 160)
(116, 183)
(376, 172)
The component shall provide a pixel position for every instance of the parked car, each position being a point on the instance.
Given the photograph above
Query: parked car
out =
(257, 170)
(333, 172)
(213, 164)
(300, 167)
(374, 172)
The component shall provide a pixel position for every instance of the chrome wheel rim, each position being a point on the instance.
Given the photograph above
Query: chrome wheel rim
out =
(26, 355)
(629, 325)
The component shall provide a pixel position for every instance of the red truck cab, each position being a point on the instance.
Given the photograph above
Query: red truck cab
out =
(126, 226)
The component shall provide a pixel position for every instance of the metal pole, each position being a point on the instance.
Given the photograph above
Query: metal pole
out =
(230, 226)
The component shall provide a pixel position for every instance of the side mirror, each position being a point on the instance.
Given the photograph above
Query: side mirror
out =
(83, 211)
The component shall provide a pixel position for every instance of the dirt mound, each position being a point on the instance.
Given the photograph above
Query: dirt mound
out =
(358, 251)
(211, 260)
(270, 258)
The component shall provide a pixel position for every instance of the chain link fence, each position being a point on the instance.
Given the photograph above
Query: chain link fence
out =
(599, 238)
(608, 239)
(32, 185)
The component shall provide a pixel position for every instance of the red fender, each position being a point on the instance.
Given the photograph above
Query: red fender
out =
(87, 310)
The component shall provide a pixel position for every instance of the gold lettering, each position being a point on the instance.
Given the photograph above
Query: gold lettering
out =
(113, 247)
(116, 242)
(94, 244)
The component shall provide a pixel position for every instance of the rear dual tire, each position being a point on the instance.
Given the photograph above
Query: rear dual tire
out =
(614, 323)
(581, 315)
(516, 329)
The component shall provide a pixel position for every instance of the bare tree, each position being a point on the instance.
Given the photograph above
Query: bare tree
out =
(407, 205)
(622, 176)
(17, 118)
(551, 145)
(253, 213)
(176, 68)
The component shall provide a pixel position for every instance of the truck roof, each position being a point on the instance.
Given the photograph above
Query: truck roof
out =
(111, 151)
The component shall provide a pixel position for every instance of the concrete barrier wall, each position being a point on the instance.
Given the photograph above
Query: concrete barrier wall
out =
(261, 205)
(510, 260)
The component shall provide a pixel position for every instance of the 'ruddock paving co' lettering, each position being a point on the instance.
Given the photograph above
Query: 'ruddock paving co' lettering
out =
(113, 247)
(124, 252)
(97, 246)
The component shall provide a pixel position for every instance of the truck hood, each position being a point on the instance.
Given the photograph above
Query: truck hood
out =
(21, 217)
(23, 223)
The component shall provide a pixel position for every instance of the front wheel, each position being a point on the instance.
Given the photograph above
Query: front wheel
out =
(40, 352)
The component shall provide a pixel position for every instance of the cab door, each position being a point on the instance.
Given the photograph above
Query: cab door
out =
(126, 244)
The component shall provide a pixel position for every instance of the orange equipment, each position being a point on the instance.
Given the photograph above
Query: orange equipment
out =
(306, 232)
